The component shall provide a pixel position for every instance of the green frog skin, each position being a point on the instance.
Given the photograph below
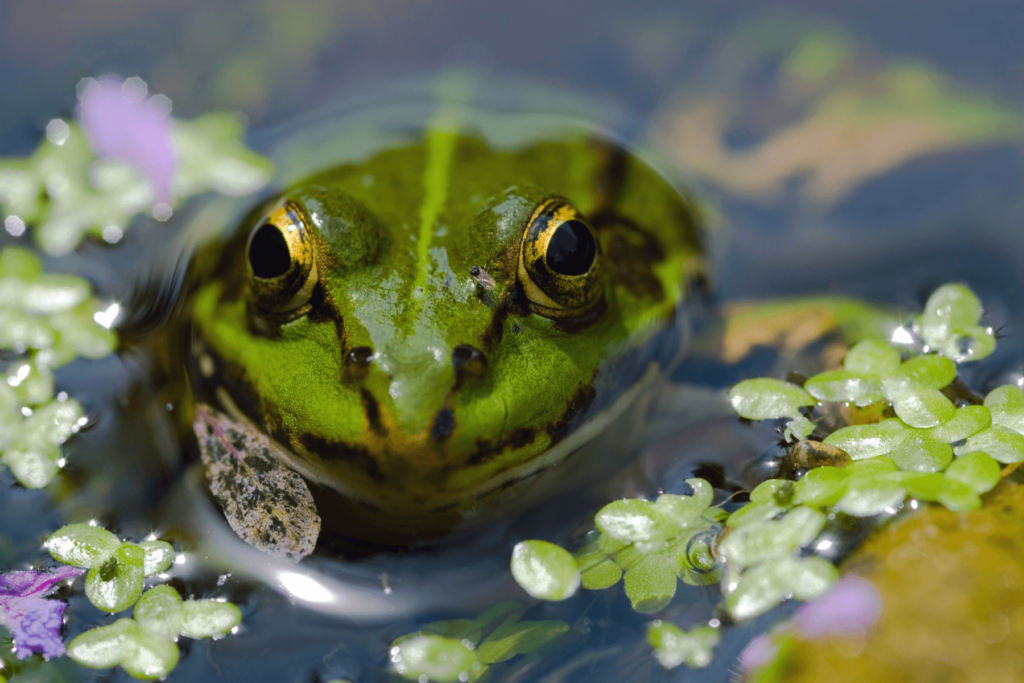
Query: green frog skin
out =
(428, 334)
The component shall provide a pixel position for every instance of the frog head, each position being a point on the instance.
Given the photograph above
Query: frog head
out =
(425, 329)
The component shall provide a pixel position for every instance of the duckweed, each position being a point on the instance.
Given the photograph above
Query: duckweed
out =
(49, 320)
(464, 649)
(931, 450)
(673, 646)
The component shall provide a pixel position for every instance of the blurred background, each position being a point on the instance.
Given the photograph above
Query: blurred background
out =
(808, 126)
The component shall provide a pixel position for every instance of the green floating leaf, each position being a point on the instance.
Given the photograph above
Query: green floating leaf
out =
(872, 357)
(842, 386)
(955, 495)
(106, 646)
(978, 470)
(799, 428)
(753, 513)
(673, 646)
(18, 262)
(759, 541)
(871, 467)
(949, 309)
(820, 487)
(82, 545)
(1006, 403)
(521, 638)
(931, 371)
(32, 386)
(765, 586)
(545, 570)
(81, 335)
(921, 452)
(54, 293)
(650, 583)
(773, 492)
(117, 583)
(865, 497)
(19, 330)
(159, 612)
(439, 659)
(1001, 443)
(208, 618)
(684, 511)
(54, 422)
(632, 520)
(152, 659)
(868, 441)
(33, 462)
(917, 405)
(765, 398)
(159, 557)
(967, 421)
(950, 324)
(604, 574)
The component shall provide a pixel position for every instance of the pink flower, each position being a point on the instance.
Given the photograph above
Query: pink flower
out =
(850, 608)
(120, 122)
(758, 652)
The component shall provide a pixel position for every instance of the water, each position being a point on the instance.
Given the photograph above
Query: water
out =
(948, 213)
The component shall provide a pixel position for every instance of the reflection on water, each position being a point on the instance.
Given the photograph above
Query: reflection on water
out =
(829, 164)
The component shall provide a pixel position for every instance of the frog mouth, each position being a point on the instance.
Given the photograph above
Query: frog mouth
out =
(390, 498)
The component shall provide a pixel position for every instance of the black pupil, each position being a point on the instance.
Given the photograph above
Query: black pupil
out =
(571, 250)
(268, 253)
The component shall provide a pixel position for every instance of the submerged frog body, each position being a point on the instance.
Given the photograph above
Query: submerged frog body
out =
(429, 332)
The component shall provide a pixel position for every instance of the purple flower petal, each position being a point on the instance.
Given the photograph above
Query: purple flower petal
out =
(123, 124)
(759, 651)
(35, 624)
(34, 621)
(851, 607)
(35, 583)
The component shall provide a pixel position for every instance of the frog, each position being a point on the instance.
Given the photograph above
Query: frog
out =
(432, 334)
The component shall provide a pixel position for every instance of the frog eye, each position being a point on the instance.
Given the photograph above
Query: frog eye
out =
(281, 262)
(560, 262)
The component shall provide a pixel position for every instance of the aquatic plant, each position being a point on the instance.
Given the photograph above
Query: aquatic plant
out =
(463, 650)
(143, 645)
(127, 156)
(49, 320)
(673, 646)
(905, 438)
(650, 546)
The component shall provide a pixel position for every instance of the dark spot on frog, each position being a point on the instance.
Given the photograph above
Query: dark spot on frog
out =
(444, 424)
(575, 409)
(336, 450)
(372, 411)
(485, 450)
(469, 363)
(581, 322)
(357, 363)
(630, 254)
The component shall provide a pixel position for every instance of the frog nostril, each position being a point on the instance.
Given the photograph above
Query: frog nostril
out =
(468, 362)
(444, 424)
(357, 362)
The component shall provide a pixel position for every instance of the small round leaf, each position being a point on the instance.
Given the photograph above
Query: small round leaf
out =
(545, 570)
